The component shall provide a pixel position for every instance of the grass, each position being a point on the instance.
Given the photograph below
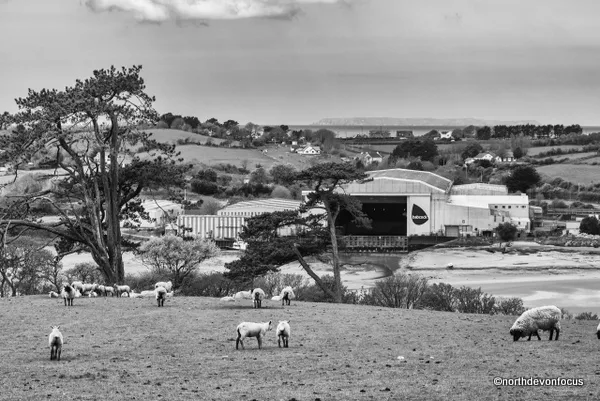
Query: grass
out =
(575, 173)
(541, 149)
(130, 349)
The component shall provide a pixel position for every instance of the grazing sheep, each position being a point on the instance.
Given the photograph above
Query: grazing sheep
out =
(77, 285)
(257, 296)
(77, 294)
(167, 286)
(100, 290)
(598, 331)
(276, 298)
(283, 333)
(250, 329)
(134, 294)
(108, 289)
(120, 289)
(92, 294)
(53, 294)
(243, 295)
(147, 293)
(540, 318)
(88, 288)
(68, 293)
(161, 294)
(55, 340)
(286, 294)
(227, 299)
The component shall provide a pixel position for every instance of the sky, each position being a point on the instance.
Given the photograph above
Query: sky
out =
(298, 61)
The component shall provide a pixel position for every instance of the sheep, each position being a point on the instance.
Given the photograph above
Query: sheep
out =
(68, 293)
(243, 295)
(167, 286)
(134, 294)
(120, 289)
(598, 331)
(257, 296)
(283, 333)
(147, 293)
(251, 329)
(227, 299)
(161, 294)
(276, 298)
(540, 318)
(286, 294)
(77, 285)
(108, 289)
(100, 290)
(53, 294)
(88, 288)
(77, 294)
(55, 340)
(92, 294)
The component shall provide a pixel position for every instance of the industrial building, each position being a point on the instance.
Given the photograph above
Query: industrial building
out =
(401, 204)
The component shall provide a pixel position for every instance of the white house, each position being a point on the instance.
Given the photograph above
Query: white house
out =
(446, 135)
(309, 150)
(489, 156)
(368, 158)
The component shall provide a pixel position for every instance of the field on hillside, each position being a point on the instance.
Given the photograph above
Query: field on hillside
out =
(130, 349)
(540, 149)
(172, 135)
(575, 173)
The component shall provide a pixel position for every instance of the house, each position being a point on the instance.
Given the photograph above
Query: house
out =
(368, 158)
(404, 134)
(160, 214)
(508, 156)
(309, 150)
(489, 156)
(445, 135)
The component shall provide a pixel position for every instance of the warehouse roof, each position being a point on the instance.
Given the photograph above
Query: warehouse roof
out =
(432, 179)
(274, 203)
(484, 201)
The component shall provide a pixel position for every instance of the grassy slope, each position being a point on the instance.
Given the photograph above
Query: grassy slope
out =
(129, 348)
(575, 173)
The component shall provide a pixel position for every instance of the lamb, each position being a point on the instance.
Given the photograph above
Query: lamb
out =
(77, 285)
(167, 286)
(147, 293)
(92, 294)
(283, 333)
(286, 294)
(227, 299)
(161, 294)
(120, 289)
(55, 340)
(110, 290)
(68, 293)
(251, 329)
(100, 290)
(53, 294)
(88, 288)
(257, 296)
(540, 318)
(276, 298)
(133, 294)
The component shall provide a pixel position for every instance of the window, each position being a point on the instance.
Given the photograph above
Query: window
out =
(503, 207)
(496, 207)
(509, 207)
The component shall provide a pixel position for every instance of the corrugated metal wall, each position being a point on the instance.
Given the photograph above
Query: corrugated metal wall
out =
(209, 226)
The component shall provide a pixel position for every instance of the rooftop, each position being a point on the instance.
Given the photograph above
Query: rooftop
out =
(276, 203)
(432, 179)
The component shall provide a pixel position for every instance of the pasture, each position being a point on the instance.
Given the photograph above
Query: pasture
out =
(575, 173)
(130, 349)
(541, 149)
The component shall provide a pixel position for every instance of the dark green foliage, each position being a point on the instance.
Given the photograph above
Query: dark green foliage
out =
(415, 165)
(522, 178)
(506, 231)
(471, 150)
(425, 149)
(518, 153)
(203, 187)
(283, 174)
(590, 225)
(207, 175)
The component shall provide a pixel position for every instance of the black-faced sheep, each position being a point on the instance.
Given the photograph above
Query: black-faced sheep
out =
(120, 289)
(55, 340)
(283, 333)
(598, 331)
(250, 329)
(68, 294)
(286, 295)
(257, 296)
(540, 318)
(53, 294)
(161, 294)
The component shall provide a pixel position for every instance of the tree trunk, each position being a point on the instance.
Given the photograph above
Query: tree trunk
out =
(334, 255)
(312, 274)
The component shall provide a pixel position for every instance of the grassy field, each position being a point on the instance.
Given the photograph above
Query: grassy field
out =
(575, 173)
(541, 149)
(129, 349)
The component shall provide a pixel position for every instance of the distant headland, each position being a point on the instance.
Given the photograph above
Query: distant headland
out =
(391, 121)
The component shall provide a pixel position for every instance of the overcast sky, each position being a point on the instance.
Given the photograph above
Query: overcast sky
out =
(297, 61)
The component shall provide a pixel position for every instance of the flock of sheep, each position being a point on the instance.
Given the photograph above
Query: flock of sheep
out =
(545, 318)
(161, 291)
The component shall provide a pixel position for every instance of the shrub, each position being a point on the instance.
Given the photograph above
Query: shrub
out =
(144, 280)
(207, 285)
(314, 293)
(402, 290)
(510, 306)
(586, 316)
(566, 314)
(471, 300)
(439, 297)
(204, 187)
(281, 192)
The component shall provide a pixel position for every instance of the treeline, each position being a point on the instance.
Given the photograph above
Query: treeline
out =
(527, 130)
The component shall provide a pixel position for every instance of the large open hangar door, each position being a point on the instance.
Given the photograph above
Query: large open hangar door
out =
(387, 213)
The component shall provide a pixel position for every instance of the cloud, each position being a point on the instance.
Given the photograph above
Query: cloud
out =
(204, 10)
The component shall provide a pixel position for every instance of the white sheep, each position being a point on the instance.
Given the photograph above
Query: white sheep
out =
(166, 285)
(100, 290)
(147, 293)
(109, 289)
(55, 340)
(276, 298)
(227, 299)
(257, 296)
(540, 318)
(251, 329)
(92, 294)
(161, 294)
(283, 333)
(53, 294)
(68, 294)
(77, 294)
(286, 294)
(120, 289)
(77, 285)
(243, 295)
(88, 288)
(134, 294)
(598, 331)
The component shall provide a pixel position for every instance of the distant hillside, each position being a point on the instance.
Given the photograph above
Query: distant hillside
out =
(457, 122)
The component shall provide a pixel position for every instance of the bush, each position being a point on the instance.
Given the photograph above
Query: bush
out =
(281, 192)
(204, 187)
(471, 300)
(510, 306)
(590, 225)
(439, 297)
(314, 293)
(566, 314)
(402, 290)
(586, 316)
(144, 281)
